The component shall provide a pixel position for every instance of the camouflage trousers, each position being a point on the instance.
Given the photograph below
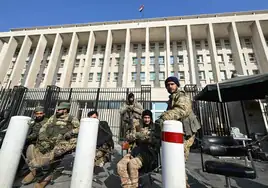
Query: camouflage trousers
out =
(37, 159)
(187, 146)
(102, 155)
(128, 170)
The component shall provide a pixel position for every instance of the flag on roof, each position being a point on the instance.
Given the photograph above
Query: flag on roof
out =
(141, 8)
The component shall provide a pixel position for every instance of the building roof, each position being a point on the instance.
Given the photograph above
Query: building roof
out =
(144, 20)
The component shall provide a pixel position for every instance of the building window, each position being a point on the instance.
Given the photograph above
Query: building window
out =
(152, 47)
(201, 75)
(133, 76)
(58, 77)
(171, 60)
(47, 61)
(179, 44)
(142, 60)
(77, 62)
(210, 75)
(172, 73)
(226, 43)
(98, 76)
(199, 58)
(171, 46)
(95, 49)
(103, 48)
(206, 43)
(181, 75)
(143, 46)
(152, 76)
(135, 61)
(180, 58)
(251, 57)
(74, 76)
(115, 76)
(65, 51)
(218, 43)
(80, 49)
(111, 60)
(255, 71)
(161, 46)
(118, 48)
(61, 63)
(248, 43)
(230, 58)
(197, 44)
(208, 58)
(81, 77)
(117, 60)
(108, 77)
(90, 77)
(220, 58)
(93, 62)
(151, 60)
(223, 75)
(161, 75)
(101, 60)
(135, 46)
(142, 76)
(161, 60)
(42, 78)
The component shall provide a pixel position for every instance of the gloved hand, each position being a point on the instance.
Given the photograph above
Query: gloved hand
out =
(159, 122)
(68, 135)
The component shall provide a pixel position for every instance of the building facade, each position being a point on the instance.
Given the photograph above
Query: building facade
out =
(198, 49)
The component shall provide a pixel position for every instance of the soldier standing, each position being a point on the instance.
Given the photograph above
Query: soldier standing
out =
(180, 108)
(144, 155)
(131, 116)
(56, 137)
(38, 121)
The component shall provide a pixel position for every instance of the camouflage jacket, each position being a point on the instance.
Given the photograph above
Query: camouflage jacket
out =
(179, 107)
(131, 111)
(35, 128)
(54, 130)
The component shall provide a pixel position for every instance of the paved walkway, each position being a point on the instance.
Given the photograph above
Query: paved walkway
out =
(197, 178)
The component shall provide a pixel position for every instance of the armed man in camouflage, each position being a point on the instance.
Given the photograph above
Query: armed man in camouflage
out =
(105, 143)
(56, 137)
(35, 125)
(144, 157)
(180, 108)
(131, 116)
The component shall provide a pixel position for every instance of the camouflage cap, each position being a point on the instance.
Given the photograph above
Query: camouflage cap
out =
(64, 105)
(39, 109)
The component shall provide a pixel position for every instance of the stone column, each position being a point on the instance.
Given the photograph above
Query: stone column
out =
(167, 51)
(6, 57)
(88, 60)
(53, 60)
(126, 61)
(21, 61)
(36, 62)
(107, 55)
(192, 64)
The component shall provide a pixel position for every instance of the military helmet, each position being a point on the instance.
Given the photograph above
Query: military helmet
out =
(64, 105)
(39, 109)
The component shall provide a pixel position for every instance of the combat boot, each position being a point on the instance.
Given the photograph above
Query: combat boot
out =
(43, 183)
(29, 178)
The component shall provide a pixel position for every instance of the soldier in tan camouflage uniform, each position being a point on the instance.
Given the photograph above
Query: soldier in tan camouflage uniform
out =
(144, 156)
(56, 137)
(131, 115)
(105, 143)
(36, 124)
(180, 108)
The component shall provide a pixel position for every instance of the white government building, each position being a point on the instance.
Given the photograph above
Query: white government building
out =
(198, 49)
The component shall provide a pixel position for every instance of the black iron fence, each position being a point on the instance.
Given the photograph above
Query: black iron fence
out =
(214, 117)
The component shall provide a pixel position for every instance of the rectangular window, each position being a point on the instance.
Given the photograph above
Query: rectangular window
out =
(115, 76)
(172, 73)
(179, 44)
(230, 58)
(152, 60)
(90, 77)
(74, 76)
(161, 75)
(210, 75)
(117, 60)
(98, 76)
(256, 71)
(135, 61)
(171, 60)
(181, 75)
(220, 58)
(118, 48)
(101, 60)
(135, 46)
(152, 76)
(65, 51)
(93, 62)
(143, 46)
(199, 58)
(251, 57)
(142, 76)
(180, 58)
(161, 46)
(103, 48)
(218, 43)
(77, 62)
(143, 61)
(201, 75)
(208, 58)
(62, 63)
(108, 77)
(161, 60)
(248, 42)
(226, 43)
(206, 43)
(133, 76)
(197, 44)
(152, 47)
(58, 77)
(223, 75)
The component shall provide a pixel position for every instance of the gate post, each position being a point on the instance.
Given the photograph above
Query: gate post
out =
(51, 99)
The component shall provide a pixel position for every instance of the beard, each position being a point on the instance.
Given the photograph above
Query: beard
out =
(59, 114)
(39, 119)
